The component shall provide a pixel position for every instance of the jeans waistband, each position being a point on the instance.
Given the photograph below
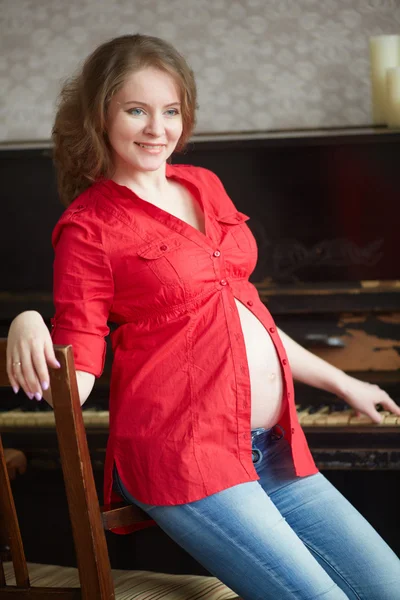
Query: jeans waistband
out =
(277, 431)
(258, 431)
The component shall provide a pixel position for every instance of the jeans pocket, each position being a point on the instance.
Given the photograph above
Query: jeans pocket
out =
(268, 445)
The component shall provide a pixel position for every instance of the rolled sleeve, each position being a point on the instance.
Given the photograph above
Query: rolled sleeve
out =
(82, 290)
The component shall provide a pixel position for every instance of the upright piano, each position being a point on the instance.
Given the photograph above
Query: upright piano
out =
(324, 208)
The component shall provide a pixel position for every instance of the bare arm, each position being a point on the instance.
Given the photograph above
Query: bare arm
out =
(85, 385)
(310, 369)
(30, 354)
(314, 371)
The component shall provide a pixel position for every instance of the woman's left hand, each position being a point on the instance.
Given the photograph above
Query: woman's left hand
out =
(364, 397)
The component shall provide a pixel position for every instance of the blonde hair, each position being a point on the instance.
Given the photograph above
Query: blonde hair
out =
(81, 148)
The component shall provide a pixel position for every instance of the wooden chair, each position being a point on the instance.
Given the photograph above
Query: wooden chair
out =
(96, 579)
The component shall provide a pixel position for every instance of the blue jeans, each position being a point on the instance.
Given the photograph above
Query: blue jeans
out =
(283, 536)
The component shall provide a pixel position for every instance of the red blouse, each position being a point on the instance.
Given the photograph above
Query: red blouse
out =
(180, 387)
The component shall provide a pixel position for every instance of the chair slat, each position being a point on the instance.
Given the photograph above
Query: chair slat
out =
(40, 593)
(90, 544)
(123, 516)
(10, 520)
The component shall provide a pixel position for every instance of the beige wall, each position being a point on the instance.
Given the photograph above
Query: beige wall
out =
(260, 64)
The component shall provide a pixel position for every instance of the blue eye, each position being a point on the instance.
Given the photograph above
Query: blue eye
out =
(136, 112)
(172, 112)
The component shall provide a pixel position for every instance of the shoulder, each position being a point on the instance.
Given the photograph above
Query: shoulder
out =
(199, 175)
(83, 216)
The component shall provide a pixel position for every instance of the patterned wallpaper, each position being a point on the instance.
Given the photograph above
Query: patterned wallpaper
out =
(260, 64)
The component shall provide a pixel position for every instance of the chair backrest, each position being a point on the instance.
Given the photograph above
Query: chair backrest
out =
(87, 519)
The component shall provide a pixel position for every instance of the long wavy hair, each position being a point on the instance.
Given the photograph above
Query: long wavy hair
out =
(81, 153)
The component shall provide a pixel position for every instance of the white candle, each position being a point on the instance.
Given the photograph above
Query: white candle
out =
(393, 97)
(384, 54)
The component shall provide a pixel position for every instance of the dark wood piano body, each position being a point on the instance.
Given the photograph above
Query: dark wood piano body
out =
(325, 211)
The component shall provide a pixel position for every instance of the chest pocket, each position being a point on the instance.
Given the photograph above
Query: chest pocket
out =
(160, 256)
(235, 232)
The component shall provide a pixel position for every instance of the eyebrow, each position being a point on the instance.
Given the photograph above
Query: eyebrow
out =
(147, 105)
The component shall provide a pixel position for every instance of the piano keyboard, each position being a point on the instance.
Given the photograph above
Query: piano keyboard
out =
(19, 418)
(325, 416)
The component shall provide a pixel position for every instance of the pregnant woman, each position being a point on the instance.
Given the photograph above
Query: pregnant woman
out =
(204, 434)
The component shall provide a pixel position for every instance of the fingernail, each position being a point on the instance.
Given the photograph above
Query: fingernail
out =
(15, 389)
(58, 363)
(30, 396)
(38, 396)
(45, 385)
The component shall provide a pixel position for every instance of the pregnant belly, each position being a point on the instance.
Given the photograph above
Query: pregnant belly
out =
(265, 371)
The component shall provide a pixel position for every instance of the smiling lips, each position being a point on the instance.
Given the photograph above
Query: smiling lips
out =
(152, 148)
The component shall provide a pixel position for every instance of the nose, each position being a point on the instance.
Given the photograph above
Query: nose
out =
(155, 125)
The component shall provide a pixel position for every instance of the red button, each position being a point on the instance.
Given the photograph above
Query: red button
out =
(223, 282)
(272, 329)
(293, 430)
(217, 253)
(250, 302)
(284, 361)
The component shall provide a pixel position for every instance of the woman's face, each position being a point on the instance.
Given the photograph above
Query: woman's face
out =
(144, 121)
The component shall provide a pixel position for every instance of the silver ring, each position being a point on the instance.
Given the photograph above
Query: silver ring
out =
(17, 363)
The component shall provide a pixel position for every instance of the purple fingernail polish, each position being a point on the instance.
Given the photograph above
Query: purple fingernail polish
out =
(15, 389)
(45, 385)
(38, 396)
(58, 363)
(30, 396)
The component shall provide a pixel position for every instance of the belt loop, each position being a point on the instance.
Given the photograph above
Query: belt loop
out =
(277, 435)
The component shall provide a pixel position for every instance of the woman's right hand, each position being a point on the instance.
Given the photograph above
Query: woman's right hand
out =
(29, 353)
